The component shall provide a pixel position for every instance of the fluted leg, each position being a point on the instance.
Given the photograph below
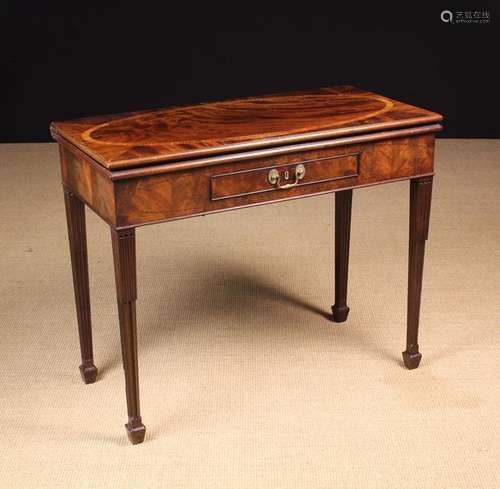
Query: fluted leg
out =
(343, 204)
(126, 290)
(75, 216)
(420, 205)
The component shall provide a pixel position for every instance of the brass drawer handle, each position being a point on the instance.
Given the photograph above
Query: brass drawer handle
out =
(274, 177)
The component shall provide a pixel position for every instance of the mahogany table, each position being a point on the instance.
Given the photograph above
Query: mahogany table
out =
(155, 166)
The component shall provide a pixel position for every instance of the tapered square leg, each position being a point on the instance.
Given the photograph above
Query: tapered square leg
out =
(420, 206)
(126, 291)
(75, 216)
(343, 205)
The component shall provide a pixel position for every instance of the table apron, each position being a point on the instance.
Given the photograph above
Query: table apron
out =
(155, 198)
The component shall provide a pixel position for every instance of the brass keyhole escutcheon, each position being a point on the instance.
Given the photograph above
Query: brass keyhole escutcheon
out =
(273, 177)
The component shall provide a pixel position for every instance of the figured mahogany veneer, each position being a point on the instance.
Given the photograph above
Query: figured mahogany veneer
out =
(141, 138)
(144, 199)
(153, 166)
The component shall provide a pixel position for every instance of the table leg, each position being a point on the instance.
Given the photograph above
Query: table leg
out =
(420, 205)
(343, 205)
(126, 291)
(75, 216)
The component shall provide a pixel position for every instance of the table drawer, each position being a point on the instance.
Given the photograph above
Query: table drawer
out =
(280, 178)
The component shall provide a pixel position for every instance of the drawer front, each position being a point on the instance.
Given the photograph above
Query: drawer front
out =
(279, 178)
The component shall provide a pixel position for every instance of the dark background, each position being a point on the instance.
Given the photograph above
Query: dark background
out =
(74, 60)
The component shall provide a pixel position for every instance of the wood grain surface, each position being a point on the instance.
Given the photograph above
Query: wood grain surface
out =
(168, 196)
(141, 138)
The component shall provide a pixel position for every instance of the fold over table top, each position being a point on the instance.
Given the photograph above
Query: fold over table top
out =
(177, 133)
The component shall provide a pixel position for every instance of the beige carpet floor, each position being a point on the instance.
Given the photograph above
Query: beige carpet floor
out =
(244, 382)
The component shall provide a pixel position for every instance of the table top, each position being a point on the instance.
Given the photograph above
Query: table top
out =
(149, 137)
